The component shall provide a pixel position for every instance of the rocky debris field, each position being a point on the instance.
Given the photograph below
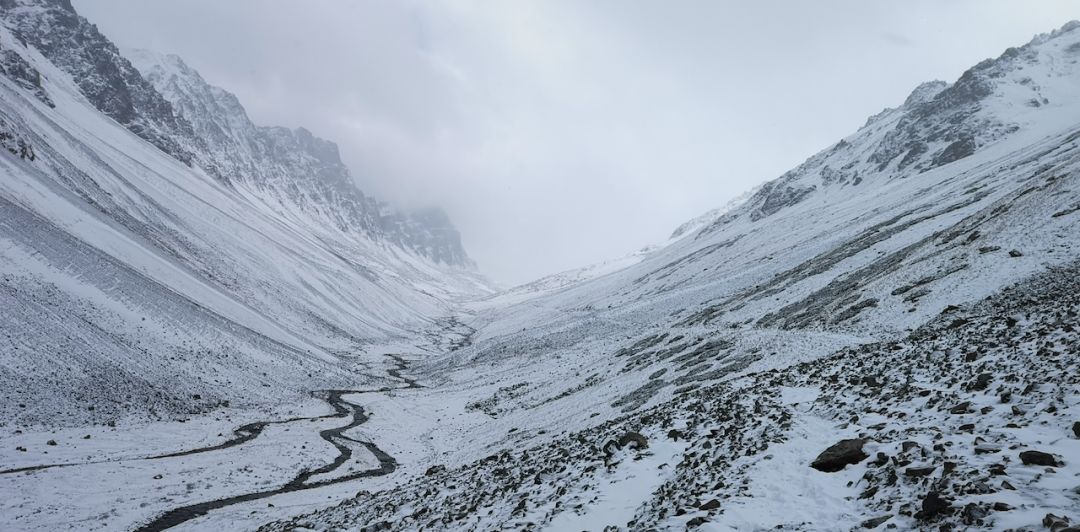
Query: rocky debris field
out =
(970, 421)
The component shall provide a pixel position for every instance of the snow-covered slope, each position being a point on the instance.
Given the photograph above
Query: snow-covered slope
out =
(295, 173)
(134, 280)
(558, 281)
(550, 284)
(883, 337)
(842, 300)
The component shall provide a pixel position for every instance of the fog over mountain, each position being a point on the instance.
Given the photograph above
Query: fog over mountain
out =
(247, 259)
(587, 129)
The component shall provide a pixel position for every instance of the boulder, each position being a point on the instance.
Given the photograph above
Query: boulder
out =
(973, 514)
(982, 381)
(933, 505)
(961, 408)
(918, 472)
(1056, 523)
(840, 455)
(1039, 458)
(696, 522)
(634, 440)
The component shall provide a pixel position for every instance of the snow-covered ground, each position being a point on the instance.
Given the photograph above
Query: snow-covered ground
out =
(238, 359)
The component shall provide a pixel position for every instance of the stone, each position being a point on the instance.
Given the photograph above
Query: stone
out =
(1055, 523)
(961, 408)
(634, 440)
(875, 522)
(918, 472)
(933, 505)
(972, 514)
(1039, 458)
(840, 455)
(982, 381)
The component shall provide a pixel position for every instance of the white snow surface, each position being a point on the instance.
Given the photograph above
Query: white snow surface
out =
(727, 335)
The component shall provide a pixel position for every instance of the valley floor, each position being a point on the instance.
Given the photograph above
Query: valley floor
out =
(163, 475)
(945, 419)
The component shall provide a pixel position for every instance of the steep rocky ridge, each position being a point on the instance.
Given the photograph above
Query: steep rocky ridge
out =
(291, 167)
(138, 282)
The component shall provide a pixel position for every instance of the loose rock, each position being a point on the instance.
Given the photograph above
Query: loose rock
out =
(840, 455)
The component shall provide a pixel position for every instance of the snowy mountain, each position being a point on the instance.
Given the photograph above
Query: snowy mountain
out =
(153, 254)
(208, 326)
(895, 311)
(290, 169)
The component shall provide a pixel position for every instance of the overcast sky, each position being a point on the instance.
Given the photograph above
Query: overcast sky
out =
(558, 133)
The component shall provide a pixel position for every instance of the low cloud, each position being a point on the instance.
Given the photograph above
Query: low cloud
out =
(563, 132)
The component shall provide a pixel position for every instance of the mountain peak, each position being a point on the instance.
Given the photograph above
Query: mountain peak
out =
(925, 92)
(941, 123)
(287, 166)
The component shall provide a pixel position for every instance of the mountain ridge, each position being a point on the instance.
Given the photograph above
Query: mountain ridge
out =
(883, 337)
(141, 283)
(115, 86)
(270, 159)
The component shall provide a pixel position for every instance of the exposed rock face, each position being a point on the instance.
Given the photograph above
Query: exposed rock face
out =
(938, 124)
(15, 67)
(775, 196)
(172, 107)
(105, 77)
(141, 248)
